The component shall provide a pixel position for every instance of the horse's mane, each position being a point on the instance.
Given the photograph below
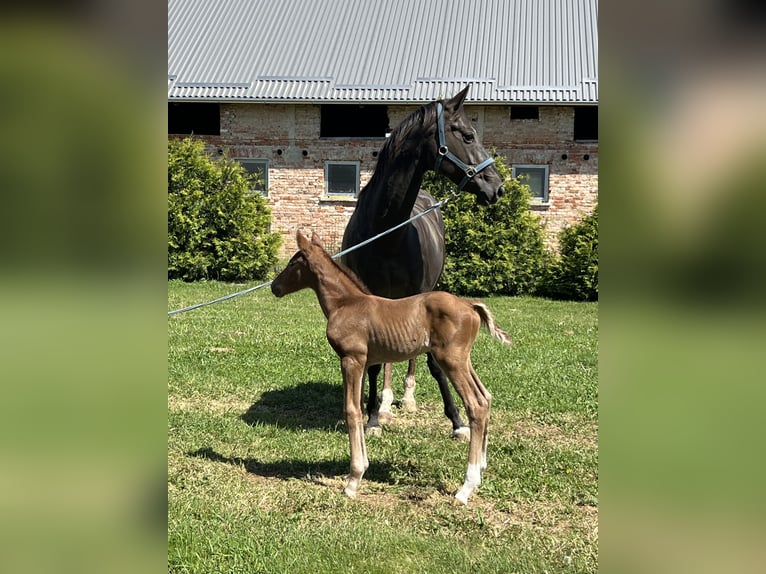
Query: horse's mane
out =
(393, 147)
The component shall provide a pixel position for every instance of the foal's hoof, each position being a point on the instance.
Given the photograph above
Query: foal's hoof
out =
(373, 431)
(460, 499)
(409, 405)
(350, 493)
(463, 433)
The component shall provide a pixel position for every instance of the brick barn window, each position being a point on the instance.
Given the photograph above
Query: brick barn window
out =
(341, 178)
(194, 118)
(353, 121)
(259, 167)
(536, 177)
(586, 123)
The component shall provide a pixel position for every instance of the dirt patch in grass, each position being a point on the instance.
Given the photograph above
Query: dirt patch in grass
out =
(554, 520)
(582, 434)
(586, 436)
(207, 405)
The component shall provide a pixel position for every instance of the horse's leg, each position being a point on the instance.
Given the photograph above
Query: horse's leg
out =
(387, 396)
(477, 401)
(353, 372)
(459, 430)
(408, 400)
(373, 407)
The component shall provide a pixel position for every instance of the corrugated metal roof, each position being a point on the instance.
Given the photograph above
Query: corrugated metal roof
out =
(511, 51)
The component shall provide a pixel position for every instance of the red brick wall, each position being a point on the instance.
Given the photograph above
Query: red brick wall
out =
(573, 166)
(287, 135)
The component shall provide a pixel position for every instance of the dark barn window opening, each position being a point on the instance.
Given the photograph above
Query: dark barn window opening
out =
(354, 121)
(525, 113)
(586, 123)
(199, 118)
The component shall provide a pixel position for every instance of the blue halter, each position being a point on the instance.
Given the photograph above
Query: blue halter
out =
(470, 171)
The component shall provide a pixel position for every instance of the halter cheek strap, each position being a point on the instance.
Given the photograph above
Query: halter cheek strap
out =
(469, 171)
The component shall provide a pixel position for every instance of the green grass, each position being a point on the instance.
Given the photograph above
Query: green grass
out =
(257, 449)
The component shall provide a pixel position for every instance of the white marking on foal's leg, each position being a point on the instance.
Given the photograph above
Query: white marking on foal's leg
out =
(472, 480)
(359, 460)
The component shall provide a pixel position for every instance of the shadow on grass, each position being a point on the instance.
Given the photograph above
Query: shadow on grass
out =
(312, 405)
(378, 471)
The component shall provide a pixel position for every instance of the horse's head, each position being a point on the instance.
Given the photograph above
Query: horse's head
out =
(460, 156)
(297, 275)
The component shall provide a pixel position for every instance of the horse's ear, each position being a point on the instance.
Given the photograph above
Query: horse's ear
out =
(456, 101)
(315, 239)
(302, 240)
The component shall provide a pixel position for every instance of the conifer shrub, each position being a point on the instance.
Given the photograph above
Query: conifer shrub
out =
(494, 249)
(574, 273)
(218, 226)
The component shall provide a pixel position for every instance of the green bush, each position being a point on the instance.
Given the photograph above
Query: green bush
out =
(494, 249)
(574, 274)
(217, 226)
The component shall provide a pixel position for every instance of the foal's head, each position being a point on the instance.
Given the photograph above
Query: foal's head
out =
(310, 261)
(297, 275)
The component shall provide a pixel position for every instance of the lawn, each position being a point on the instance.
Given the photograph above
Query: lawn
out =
(258, 454)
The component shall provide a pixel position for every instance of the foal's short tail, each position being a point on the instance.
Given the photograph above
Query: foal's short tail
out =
(489, 322)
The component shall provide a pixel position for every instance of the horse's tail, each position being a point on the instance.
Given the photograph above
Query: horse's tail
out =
(489, 322)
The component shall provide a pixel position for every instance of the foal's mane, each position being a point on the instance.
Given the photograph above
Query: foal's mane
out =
(343, 270)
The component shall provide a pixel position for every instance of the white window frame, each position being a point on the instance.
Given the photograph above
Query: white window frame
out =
(337, 194)
(263, 164)
(520, 168)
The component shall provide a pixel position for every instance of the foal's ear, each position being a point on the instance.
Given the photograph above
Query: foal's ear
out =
(456, 101)
(302, 240)
(315, 239)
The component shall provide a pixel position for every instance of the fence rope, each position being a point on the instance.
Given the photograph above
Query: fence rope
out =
(423, 213)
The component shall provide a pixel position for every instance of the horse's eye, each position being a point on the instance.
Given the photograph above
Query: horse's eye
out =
(468, 138)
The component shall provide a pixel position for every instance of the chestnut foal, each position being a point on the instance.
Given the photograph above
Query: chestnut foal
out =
(367, 330)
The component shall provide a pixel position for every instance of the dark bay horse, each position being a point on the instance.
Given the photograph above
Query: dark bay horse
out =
(438, 136)
(366, 330)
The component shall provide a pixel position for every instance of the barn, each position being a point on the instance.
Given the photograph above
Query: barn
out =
(305, 91)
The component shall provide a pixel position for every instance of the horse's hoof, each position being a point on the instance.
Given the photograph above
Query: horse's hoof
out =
(385, 418)
(373, 431)
(463, 433)
(409, 405)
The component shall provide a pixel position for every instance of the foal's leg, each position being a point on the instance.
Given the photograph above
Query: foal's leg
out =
(478, 415)
(477, 401)
(408, 400)
(373, 407)
(353, 371)
(387, 396)
(459, 430)
(488, 397)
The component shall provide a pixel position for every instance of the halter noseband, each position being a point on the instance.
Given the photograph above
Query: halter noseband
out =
(470, 171)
